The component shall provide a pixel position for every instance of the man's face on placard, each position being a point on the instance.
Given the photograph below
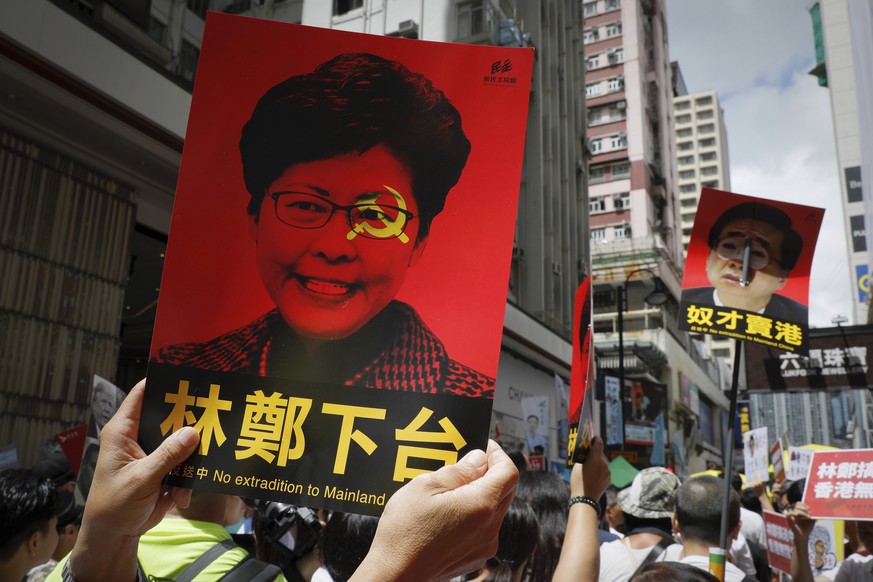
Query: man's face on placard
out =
(533, 424)
(330, 280)
(725, 273)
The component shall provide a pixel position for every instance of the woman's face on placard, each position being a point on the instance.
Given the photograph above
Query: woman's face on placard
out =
(328, 281)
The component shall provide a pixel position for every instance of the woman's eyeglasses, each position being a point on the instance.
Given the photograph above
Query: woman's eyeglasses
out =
(369, 218)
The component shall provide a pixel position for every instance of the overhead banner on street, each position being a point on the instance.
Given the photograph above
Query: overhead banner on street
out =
(334, 288)
(747, 271)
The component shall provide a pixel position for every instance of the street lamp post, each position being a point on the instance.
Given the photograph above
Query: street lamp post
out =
(657, 297)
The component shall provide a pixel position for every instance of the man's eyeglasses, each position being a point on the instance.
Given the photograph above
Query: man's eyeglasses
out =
(731, 249)
(369, 219)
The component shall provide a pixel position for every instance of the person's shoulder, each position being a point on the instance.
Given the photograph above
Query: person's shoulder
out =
(465, 381)
(698, 294)
(785, 307)
(236, 350)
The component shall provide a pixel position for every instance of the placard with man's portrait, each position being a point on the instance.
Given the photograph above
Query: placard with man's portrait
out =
(747, 270)
(335, 281)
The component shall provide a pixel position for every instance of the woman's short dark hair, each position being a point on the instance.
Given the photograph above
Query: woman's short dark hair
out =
(547, 494)
(345, 541)
(352, 103)
(517, 541)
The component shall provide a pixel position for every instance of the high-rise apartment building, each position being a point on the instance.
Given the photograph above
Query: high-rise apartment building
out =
(701, 153)
(636, 236)
(94, 99)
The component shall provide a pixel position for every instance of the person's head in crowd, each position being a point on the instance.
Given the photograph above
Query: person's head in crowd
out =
(539, 450)
(69, 522)
(648, 502)
(382, 149)
(699, 508)
(864, 530)
(736, 480)
(55, 466)
(344, 542)
(775, 248)
(28, 537)
(792, 492)
(103, 402)
(547, 494)
(516, 543)
(750, 501)
(519, 460)
(672, 572)
(612, 513)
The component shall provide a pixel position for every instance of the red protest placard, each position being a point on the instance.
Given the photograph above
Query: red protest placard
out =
(839, 485)
(778, 462)
(334, 288)
(581, 412)
(72, 442)
(769, 306)
(780, 541)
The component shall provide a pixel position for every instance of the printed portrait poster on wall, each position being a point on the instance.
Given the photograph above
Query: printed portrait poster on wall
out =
(335, 281)
(747, 271)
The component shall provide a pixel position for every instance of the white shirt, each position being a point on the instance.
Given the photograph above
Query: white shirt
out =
(753, 527)
(618, 561)
(673, 552)
(832, 574)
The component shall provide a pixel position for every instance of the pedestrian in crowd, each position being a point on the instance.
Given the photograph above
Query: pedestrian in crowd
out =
(672, 571)
(612, 513)
(69, 522)
(517, 541)
(28, 520)
(438, 525)
(648, 507)
(547, 494)
(697, 520)
(344, 544)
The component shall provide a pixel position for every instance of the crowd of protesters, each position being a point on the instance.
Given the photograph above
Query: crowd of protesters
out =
(473, 521)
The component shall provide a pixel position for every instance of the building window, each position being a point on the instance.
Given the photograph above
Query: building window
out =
(700, 101)
(709, 171)
(621, 200)
(592, 62)
(620, 170)
(684, 132)
(188, 58)
(685, 188)
(613, 29)
(343, 6)
(686, 174)
(471, 17)
(598, 234)
(684, 118)
(685, 160)
(613, 4)
(708, 114)
(590, 36)
(618, 142)
(710, 184)
(592, 90)
(685, 146)
(616, 84)
(597, 205)
(595, 115)
(590, 8)
(708, 128)
(597, 174)
(198, 7)
(156, 29)
(616, 56)
(682, 105)
(621, 231)
(708, 157)
(708, 142)
(618, 110)
(596, 146)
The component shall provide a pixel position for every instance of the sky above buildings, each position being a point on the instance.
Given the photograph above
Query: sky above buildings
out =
(757, 55)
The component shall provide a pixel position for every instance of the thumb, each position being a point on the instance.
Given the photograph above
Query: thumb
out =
(471, 467)
(175, 449)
